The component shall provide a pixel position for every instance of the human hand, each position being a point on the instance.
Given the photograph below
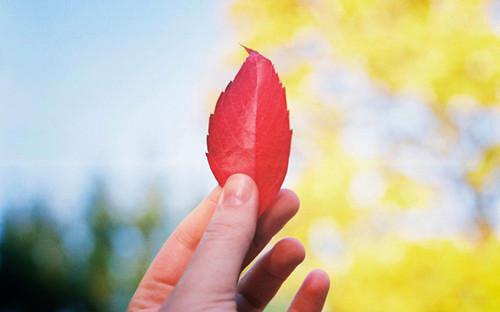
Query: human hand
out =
(198, 267)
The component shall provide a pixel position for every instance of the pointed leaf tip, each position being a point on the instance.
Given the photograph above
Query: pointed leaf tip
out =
(249, 51)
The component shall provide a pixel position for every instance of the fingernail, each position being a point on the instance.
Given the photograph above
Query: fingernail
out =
(237, 190)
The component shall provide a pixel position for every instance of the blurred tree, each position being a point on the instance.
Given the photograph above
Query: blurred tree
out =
(102, 227)
(395, 110)
(35, 271)
(47, 265)
(442, 48)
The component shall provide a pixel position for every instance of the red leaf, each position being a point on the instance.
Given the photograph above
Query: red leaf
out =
(249, 132)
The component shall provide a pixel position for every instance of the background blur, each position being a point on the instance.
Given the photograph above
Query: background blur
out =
(396, 150)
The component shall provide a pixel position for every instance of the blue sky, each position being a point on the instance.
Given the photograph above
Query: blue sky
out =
(123, 90)
(114, 88)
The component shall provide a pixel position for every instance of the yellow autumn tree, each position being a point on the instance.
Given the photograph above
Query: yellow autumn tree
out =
(396, 146)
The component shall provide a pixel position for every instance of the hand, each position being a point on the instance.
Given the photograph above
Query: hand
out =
(198, 267)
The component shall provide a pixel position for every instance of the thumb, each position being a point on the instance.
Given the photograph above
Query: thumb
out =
(216, 264)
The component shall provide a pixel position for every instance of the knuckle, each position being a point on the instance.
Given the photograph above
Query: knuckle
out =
(230, 230)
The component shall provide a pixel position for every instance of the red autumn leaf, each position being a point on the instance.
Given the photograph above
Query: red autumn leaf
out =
(249, 132)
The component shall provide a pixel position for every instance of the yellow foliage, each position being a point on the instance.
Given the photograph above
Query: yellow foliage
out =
(268, 23)
(295, 79)
(443, 50)
(440, 48)
(427, 276)
(489, 162)
(324, 187)
(403, 192)
(435, 276)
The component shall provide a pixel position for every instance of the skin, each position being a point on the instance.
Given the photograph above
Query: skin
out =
(199, 266)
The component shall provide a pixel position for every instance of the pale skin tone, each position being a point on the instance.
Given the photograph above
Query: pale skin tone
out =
(199, 266)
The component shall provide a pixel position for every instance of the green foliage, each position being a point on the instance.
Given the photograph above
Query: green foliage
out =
(42, 268)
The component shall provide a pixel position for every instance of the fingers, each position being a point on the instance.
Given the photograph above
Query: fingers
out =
(272, 221)
(312, 294)
(215, 266)
(173, 257)
(262, 281)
